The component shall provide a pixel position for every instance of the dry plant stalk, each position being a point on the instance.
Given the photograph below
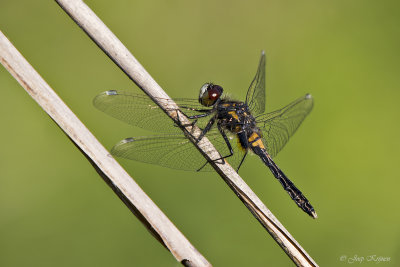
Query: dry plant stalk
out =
(113, 174)
(112, 46)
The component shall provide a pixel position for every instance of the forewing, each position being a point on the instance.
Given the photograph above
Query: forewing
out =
(173, 151)
(255, 97)
(280, 125)
(139, 110)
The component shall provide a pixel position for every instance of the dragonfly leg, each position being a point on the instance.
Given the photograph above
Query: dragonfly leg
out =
(178, 122)
(195, 117)
(204, 113)
(240, 164)
(196, 109)
(221, 130)
(206, 129)
(199, 115)
(202, 166)
(228, 144)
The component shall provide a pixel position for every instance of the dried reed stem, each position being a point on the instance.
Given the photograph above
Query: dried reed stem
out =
(110, 44)
(115, 176)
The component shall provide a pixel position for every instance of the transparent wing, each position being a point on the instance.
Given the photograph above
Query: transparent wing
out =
(173, 151)
(280, 125)
(139, 110)
(255, 97)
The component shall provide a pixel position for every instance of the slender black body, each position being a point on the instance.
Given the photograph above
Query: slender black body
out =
(235, 117)
(264, 134)
(292, 190)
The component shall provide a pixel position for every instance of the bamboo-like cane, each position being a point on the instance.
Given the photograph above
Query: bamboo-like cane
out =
(110, 44)
(114, 175)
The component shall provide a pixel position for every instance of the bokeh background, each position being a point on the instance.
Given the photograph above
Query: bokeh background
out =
(56, 211)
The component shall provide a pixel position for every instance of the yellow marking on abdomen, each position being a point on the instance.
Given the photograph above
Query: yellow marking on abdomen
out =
(258, 143)
(253, 137)
(234, 115)
(256, 140)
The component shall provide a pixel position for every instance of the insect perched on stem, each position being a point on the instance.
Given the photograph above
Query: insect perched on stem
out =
(221, 119)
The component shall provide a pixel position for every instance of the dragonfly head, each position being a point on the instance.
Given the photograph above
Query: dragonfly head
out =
(209, 94)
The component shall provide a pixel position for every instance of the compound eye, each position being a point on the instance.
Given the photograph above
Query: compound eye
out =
(214, 92)
(209, 94)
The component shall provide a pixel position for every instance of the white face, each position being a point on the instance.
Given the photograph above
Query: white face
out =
(203, 90)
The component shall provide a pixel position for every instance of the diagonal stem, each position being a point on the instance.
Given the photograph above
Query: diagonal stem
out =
(114, 175)
(112, 46)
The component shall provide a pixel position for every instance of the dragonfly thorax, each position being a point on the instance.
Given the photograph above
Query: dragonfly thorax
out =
(235, 116)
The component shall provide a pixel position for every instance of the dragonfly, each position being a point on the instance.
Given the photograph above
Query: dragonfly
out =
(235, 128)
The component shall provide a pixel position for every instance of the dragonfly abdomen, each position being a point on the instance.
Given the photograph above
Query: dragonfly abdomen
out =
(289, 187)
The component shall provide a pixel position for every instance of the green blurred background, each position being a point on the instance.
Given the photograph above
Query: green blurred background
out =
(56, 211)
